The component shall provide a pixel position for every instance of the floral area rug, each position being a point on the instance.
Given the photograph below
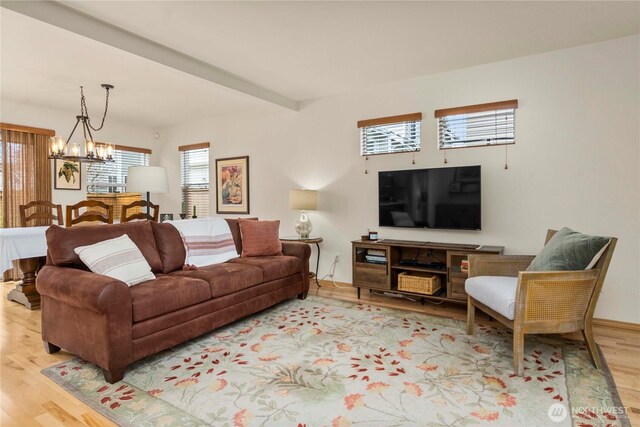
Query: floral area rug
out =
(322, 362)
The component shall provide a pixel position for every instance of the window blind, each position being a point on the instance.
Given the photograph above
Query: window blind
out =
(389, 135)
(111, 177)
(477, 125)
(194, 176)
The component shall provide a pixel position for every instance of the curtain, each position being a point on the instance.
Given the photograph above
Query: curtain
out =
(26, 176)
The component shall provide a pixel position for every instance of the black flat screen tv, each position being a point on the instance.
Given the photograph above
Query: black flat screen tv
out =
(439, 198)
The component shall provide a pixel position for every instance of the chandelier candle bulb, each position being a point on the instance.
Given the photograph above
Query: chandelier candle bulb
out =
(89, 148)
(57, 145)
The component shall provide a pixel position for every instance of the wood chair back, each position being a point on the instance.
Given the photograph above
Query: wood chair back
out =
(124, 217)
(45, 213)
(92, 214)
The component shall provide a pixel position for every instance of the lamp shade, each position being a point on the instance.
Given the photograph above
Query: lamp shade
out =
(152, 179)
(303, 199)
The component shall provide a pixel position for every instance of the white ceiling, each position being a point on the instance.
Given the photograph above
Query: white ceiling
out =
(300, 50)
(45, 66)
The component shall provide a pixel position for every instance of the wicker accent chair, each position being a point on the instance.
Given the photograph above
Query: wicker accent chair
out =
(554, 302)
(44, 213)
(93, 212)
(124, 217)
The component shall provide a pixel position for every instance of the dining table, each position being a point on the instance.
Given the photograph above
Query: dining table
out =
(27, 245)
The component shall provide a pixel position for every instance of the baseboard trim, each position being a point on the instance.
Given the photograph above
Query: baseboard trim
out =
(617, 324)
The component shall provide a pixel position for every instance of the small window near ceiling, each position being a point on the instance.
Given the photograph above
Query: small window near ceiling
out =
(111, 177)
(194, 174)
(387, 135)
(477, 125)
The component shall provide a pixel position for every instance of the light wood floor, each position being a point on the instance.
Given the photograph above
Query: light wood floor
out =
(28, 398)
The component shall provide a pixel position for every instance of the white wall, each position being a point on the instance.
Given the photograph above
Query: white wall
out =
(576, 161)
(62, 122)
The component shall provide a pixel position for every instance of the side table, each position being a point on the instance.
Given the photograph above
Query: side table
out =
(311, 239)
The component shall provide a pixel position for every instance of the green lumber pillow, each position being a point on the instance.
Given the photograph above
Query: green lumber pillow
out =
(569, 250)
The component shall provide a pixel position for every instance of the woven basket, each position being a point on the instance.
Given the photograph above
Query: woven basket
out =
(421, 283)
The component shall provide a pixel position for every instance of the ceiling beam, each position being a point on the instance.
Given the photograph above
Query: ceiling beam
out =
(62, 16)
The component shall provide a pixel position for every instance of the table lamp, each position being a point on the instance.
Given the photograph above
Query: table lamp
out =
(149, 179)
(303, 200)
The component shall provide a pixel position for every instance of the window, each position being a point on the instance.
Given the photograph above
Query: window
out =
(194, 178)
(387, 135)
(111, 177)
(477, 125)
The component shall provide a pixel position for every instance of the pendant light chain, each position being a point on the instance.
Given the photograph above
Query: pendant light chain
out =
(85, 112)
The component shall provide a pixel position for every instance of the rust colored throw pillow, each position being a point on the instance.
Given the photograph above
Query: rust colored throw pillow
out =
(234, 226)
(260, 238)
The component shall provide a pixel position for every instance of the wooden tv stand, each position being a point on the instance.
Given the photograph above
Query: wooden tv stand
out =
(442, 259)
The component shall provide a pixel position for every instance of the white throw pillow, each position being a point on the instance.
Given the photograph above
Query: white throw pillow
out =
(119, 258)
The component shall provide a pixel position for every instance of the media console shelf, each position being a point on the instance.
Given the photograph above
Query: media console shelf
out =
(377, 264)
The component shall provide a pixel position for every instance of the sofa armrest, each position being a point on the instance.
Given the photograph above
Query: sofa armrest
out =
(297, 249)
(83, 289)
(498, 265)
(302, 251)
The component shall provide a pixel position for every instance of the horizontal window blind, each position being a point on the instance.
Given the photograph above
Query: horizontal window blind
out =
(389, 135)
(194, 173)
(111, 177)
(476, 126)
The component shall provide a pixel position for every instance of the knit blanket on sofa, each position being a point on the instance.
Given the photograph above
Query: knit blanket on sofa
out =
(207, 240)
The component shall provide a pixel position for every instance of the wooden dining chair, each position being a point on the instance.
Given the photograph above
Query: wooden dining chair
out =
(137, 213)
(44, 213)
(95, 211)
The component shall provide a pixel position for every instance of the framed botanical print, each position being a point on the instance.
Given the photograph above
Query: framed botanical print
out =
(67, 175)
(232, 185)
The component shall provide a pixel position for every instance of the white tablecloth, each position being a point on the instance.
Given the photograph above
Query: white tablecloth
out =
(17, 243)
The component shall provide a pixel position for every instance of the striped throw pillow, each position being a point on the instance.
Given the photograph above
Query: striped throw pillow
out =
(119, 258)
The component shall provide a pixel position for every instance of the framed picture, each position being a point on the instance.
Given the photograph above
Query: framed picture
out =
(232, 185)
(67, 175)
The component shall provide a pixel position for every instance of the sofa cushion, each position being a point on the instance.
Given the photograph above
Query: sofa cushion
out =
(234, 226)
(227, 278)
(273, 267)
(260, 238)
(166, 294)
(61, 242)
(496, 292)
(170, 246)
(118, 258)
(569, 250)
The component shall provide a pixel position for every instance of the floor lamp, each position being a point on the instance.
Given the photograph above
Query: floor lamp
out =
(149, 179)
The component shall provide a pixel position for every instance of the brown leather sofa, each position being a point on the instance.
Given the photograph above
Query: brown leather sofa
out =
(104, 321)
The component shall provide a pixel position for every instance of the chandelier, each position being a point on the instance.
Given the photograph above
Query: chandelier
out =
(89, 151)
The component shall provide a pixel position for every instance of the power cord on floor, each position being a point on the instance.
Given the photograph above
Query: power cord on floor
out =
(331, 275)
